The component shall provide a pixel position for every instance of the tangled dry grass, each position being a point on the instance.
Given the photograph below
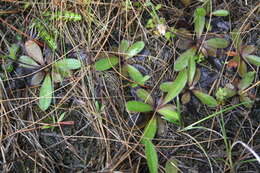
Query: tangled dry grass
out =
(103, 138)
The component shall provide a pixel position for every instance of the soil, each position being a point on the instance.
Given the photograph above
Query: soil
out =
(106, 138)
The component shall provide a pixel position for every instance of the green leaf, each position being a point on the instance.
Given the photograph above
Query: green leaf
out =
(13, 50)
(242, 68)
(183, 59)
(68, 64)
(136, 106)
(134, 74)
(150, 24)
(200, 12)
(191, 71)
(64, 73)
(106, 63)
(63, 15)
(171, 166)
(168, 35)
(150, 130)
(177, 86)
(47, 37)
(237, 41)
(145, 78)
(136, 48)
(217, 43)
(123, 46)
(62, 116)
(199, 21)
(34, 51)
(225, 93)
(144, 96)
(46, 93)
(165, 87)
(64, 66)
(220, 13)
(37, 78)
(246, 81)
(158, 6)
(245, 98)
(253, 59)
(169, 113)
(141, 82)
(248, 49)
(27, 62)
(9, 67)
(151, 156)
(205, 98)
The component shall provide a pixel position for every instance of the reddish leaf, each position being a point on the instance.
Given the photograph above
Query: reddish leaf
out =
(34, 51)
(232, 63)
(231, 53)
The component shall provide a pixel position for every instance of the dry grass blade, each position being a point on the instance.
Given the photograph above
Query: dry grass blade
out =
(89, 126)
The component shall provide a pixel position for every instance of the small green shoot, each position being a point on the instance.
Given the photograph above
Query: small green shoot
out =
(124, 49)
(13, 51)
(229, 90)
(243, 53)
(8, 64)
(54, 121)
(63, 15)
(36, 61)
(225, 93)
(48, 36)
(126, 52)
(177, 86)
(168, 111)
